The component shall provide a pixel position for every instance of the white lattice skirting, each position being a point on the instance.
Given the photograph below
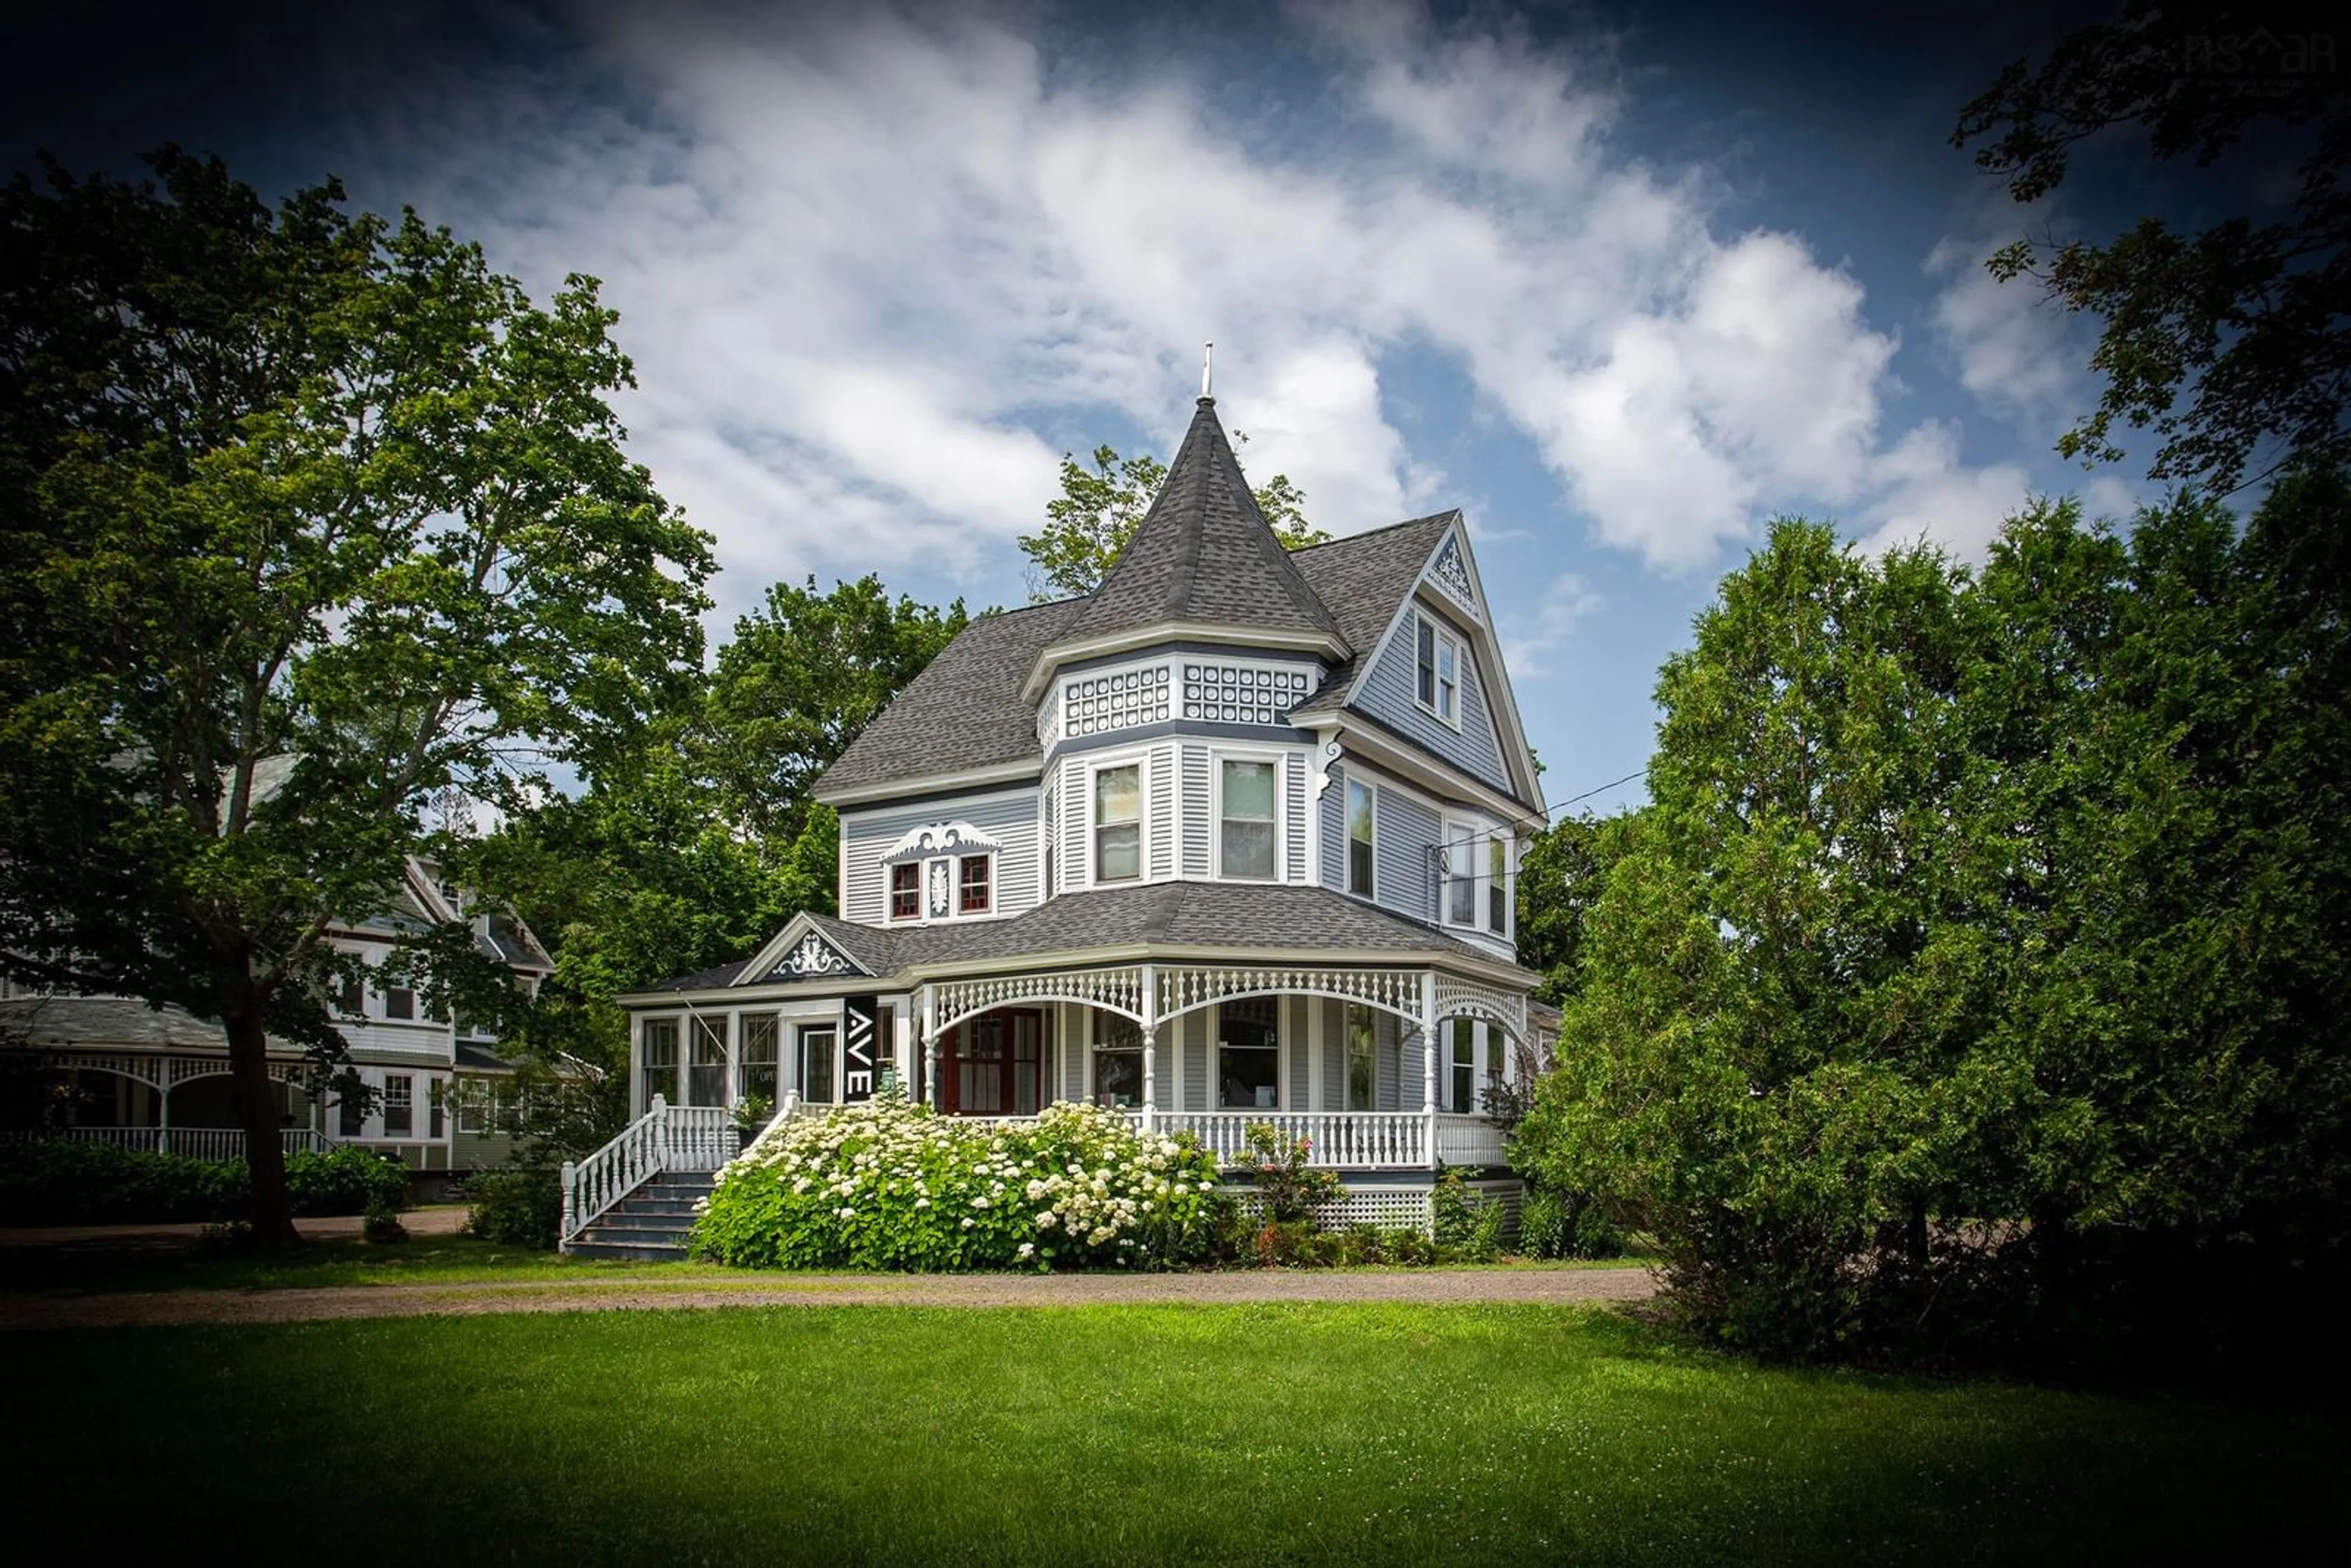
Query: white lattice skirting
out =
(1394, 1208)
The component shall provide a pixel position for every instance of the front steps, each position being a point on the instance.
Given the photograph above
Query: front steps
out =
(649, 1224)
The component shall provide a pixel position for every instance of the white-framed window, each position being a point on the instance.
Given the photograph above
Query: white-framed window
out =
(1461, 857)
(436, 1102)
(1438, 655)
(399, 1106)
(399, 1002)
(1498, 885)
(816, 1054)
(1361, 862)
(975, 885)
(473, 1098)
(705, 1075)
(907, 890)
(657, 1061)
(1248, 819)
(1462, 1060)
(1363, 1057)
(1118, 822)
(1118, 1060)
(351, 997)
(1249, 1054)
(761, 1033)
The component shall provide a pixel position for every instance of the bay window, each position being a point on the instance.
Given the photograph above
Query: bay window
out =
(1118, 823)
(1249, 1054)
(1359, 839)
(1245, 820)
(1497, 885)
(1460, 875)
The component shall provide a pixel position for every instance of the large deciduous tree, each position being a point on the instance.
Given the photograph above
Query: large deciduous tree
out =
(1096, 513)
(2234, 343)
(310, 516)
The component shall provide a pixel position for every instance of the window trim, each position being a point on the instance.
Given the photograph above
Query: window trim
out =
(1501, 880)
(1371, 890)
(1467, 832)
(408, 996)
(400, 1093)
(1141, 763)
(801, 1030)
(1441, 638)
(1217, 757)
(1371, 1019)
(676, 1023)
(1463, 1033)
(1096, 1050)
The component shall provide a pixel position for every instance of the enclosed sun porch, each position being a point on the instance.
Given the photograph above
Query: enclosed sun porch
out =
(1380, 1068)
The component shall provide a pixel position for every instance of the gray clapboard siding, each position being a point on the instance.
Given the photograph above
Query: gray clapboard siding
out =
(1076, 811)
(1334, 831)
(1196, 1062)
(1197, 806)
(1333, 1094)
(1069, 1025)
(1009, 818)
(1404, 834)
(1390, 693)
(1293, 1041)
(1386, 1059)
(1163, 826)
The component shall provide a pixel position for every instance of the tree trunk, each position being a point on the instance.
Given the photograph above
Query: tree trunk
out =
(267, 1208)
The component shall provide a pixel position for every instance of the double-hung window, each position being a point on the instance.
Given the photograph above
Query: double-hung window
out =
(657, 1061)
(907, 890)
(399, 1002)
(1460, 874)
(1359, 839)
(705, 1076)
(817, 1041)
(972, 882)
(1118, 823)
(1497, 885)
(1246, 814)
(399, 1106)
(1249, 1054)
(1439, 656)
(759, 1033)
(1118, 1060)
(1363, 1059)
(1465, 1065)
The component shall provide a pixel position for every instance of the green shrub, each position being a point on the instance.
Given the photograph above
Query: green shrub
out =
(1287, 1188)
(892, 1186)
(342, 1181)
(1555, 1224)
(63, 1181)
(521, 1206)
(382, 1225)
(1466, 1223)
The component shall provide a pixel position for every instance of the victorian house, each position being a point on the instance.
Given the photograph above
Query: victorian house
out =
(1231, 839)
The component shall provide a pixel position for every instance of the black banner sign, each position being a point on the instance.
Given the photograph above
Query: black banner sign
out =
(857, 1049)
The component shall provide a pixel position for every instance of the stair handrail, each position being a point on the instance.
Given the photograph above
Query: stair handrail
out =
(592, 1186)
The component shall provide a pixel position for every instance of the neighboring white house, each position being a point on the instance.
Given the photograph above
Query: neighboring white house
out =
(1234, 838)
(115, 1069)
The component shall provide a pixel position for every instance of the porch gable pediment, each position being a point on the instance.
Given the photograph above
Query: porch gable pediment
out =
(800, 951)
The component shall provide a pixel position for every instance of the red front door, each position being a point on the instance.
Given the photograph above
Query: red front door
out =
(993, 1065)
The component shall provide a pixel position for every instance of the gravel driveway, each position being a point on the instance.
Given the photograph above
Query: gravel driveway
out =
(1436, 1286)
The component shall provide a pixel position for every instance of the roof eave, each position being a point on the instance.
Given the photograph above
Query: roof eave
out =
(1328, 644)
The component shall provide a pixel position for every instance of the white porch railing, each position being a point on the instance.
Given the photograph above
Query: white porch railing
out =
(197, 1143)
(667, 1139)
(1464, 1140)
(1354, 1140)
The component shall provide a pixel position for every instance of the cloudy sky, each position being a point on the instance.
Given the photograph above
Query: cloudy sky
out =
(1621, 284)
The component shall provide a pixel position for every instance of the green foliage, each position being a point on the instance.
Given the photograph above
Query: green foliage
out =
(1096, 513)
(895, 1186)
(61, 1181)
(1559, 878)
(1554, 1225)
(520, 1205)
(1466, 1224)
(2250, 320)
(1287, 1188)
(312, 519)
(381, 1225)
(1975, 971)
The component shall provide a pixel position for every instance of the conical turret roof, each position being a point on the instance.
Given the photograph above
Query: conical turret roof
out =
(1204, 554)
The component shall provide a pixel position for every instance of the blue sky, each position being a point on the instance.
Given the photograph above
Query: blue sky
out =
(1622, 284)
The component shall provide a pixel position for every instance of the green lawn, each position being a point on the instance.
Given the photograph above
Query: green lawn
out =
(1375, 1434)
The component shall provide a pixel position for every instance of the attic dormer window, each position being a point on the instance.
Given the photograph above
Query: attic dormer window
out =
(1440, 655)
(907, 890)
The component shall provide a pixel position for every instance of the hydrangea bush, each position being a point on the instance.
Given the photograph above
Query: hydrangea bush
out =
(892, 1186)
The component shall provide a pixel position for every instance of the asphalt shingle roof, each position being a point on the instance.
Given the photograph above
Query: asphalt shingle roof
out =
(965, 710)
(1203, 554)
(1248, 919)
(1364, 578)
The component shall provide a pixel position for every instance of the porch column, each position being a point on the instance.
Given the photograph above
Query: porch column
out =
(927, 1092)
(1150, 1011)
(1429, 1057)
(164, 1107)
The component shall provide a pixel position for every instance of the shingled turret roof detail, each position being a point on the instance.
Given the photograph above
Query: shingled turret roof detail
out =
(1204, 554)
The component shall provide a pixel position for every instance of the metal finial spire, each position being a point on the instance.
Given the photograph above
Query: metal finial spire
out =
(1208, 367)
